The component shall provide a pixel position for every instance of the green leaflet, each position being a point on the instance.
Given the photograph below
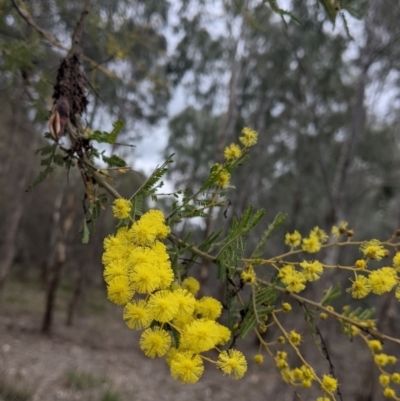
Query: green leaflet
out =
(114, 161)
(105, 137)
(264, 302)
(50, 152)
(278, 221)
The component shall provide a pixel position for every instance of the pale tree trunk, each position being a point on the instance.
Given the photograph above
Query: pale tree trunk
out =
(15, 174)
(57, 256)
(9, 246)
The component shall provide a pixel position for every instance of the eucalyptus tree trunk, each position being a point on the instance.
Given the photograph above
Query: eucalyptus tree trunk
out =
(58, 255)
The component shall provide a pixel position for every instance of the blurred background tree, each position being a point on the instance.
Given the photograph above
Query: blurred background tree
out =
(323, 98)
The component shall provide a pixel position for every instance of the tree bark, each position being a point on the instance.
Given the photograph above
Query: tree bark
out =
(57, 256)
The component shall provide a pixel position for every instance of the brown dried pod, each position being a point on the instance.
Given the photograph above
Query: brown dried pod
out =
(54, 125)
(59, 118)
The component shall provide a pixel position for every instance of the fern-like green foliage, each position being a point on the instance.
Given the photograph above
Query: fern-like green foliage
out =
(108, 137)
(50, 154)
(359, 314)
(257, 309)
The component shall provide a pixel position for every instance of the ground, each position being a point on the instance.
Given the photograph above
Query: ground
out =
(98, 359)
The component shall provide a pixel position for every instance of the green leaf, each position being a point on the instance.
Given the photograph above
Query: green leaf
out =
(105, 137)
(278, 221)
(114, 161)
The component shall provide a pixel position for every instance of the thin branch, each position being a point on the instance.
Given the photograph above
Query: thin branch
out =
(76, 37)
(24, 13)
(371, 331)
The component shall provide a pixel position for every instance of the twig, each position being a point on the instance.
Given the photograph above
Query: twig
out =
(24, 13)
(76, 37)
(372, 332)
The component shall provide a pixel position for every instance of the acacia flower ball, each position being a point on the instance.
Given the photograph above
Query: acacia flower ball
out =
(329, 384)
(121, 208)
(311, 244)
(249, 137)
(186, 367)
(389, 393)
(191, 284)
(232, 152)
(396, 261)
(360, 287)
(118, 290)
(375, 345)
(136, 315)
(384, 379)
(209, 308)
(232, 362)
(293, 239)
(396, 378)
(312, 270)
(373, 249)
(295, 338)
(258, 359)
(223, 179)
(163, 306)
(320, 234)
(382, 280)
(155, 342)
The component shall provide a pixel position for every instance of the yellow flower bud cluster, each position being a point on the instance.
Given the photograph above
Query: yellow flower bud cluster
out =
(232, 153)
(139, 275)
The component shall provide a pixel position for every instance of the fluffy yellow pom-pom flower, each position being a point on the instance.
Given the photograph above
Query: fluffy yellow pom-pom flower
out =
(232, 362)
(311, 244)
(163, 306)
(155, 342)
(312, 270)
(186, 302)
(249, 137)
(360, 287)
(382, 280)
(144, 278)
(191, 284)
(293, 239)
(136, 315)
(119, 291)
(208, 308)
(373, 249)
(200, 336)
(121, 208)
(186, 367)
(232, 152)
(329, 384)
(223, 179)
(375, 345)
(295, 338)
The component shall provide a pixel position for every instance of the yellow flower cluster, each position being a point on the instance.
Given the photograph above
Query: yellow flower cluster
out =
(198, 333)
(295, 280)
(136, 261)
(303, 375)
(233, 152)
(139, 275)
(381, 360)
(378, 282)
(310, 244)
